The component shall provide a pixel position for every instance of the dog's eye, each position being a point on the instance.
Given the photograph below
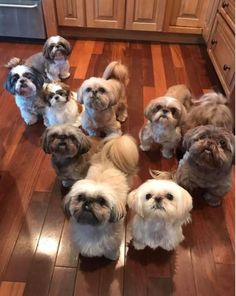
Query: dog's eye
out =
(61, 93)
(158, 107)
(148, 196)
(222, 143)
(15, 78)
(88, 89)
(169, 196)
(50, 95)
(27, 75)
(101, 201)
(173, 111)
(203, 137)
(81, 197)
(101, 90)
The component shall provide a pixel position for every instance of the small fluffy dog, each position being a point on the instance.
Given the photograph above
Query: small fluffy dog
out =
(97, 203)
(52, 62)
(61, 105)
(71, 151)
(26, 83)
(206, 164)
(161, 208)
(165, 116)
(104, 100)
(211, 108)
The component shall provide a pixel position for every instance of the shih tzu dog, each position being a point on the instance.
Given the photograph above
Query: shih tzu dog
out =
(206, 164)
(161, 208)
(211, 108)
(26, 83)
(61, 105)
(97, 203)
(52, 62)
(71, 151)
(104, 99)
(165, 116)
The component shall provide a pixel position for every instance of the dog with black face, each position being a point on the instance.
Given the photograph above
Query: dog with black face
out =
(52, 61)
(26, 83)
(165, 116)
(61, 105)
(71, 151)
(206, 164)
(97, 203)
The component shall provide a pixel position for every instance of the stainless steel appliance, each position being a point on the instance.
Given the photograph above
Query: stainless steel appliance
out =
(22, 18)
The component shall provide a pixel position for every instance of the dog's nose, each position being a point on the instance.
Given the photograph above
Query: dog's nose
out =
(87, 206)
(22, 81)
(165, 111)
(158, 199)
(56, 98)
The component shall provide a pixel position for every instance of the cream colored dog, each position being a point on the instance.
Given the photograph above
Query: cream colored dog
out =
(161, 208)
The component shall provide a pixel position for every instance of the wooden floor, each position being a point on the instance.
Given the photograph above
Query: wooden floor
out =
(36, 256)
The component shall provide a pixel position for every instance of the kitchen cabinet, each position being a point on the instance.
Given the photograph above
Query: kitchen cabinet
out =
(185, 16)
(144, 15)
(70, 13)
(221, 47)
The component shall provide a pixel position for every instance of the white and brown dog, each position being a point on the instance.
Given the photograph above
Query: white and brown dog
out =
(52, 62)
(61, 105)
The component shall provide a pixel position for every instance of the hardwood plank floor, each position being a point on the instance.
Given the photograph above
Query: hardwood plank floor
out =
(36, 256)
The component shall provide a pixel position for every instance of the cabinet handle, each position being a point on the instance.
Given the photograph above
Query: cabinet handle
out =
(226, 67)
(225, 4)
(213, 42)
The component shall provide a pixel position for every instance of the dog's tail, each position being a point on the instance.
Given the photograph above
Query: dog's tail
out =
(162, 175)
(123, 152)
(14, 62)
(213, 98)
(118, 71)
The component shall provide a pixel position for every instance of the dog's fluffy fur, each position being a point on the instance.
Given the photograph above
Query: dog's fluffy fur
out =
(97, 203)
(71, 151)
(104, 99)
(211, 108)
(206, 164)
(161, 208)
(25, 83)
(166, 116)
(52, 62)
(61, 105)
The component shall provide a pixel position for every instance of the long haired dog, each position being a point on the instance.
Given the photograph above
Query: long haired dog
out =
(165, 116)
(206, 164)
(211, 108)
(104, 99)
(26, 83)
(97, 203)
(71, 151)
(52, 62)
(61, 105)
(161, 208)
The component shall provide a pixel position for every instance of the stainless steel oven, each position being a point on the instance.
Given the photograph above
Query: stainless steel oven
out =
(22, 18)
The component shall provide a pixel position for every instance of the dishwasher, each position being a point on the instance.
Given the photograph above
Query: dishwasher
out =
(22, 18)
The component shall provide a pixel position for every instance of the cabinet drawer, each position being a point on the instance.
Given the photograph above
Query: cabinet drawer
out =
(221, 52)
(227, 9)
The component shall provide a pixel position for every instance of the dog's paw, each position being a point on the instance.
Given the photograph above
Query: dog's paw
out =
(166, 153)
(31, 120)
(65, 75)
(144, 148)
(138, 246)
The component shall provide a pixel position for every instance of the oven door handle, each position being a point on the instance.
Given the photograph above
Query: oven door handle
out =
(19, 5)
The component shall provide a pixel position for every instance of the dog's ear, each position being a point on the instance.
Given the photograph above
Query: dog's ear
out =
(189, 137)
(80, 95)
(183, 115)
(83, 142)
(185, 206)
(67, 46)
(45, 141)
(66, 206)
(135, 203)
(117, 213)
(148, 111)
(46, 50)
(9, 85)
